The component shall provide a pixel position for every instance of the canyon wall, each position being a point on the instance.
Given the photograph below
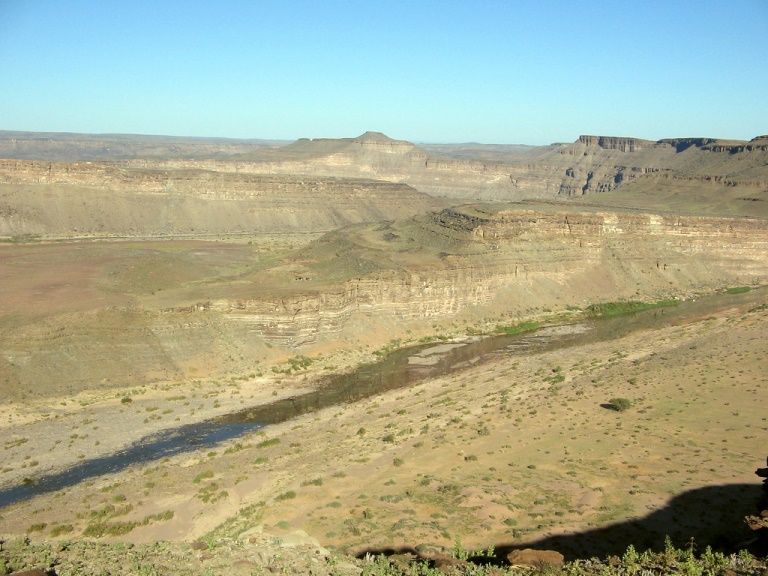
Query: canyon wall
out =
(592, 164)
(474, 266)
(60, 199)
(318, 169)
(585, 256)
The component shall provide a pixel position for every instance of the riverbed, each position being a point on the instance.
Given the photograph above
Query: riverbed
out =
(70, 447)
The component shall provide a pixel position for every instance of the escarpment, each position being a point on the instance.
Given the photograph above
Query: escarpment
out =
(61, 199)
(509, 257)
(590, 166)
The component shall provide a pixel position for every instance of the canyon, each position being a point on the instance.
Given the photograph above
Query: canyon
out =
(221, 272)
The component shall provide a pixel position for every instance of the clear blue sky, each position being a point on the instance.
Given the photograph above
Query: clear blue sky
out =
(531, 72)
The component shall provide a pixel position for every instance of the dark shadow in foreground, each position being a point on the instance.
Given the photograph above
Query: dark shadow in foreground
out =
(711, 516)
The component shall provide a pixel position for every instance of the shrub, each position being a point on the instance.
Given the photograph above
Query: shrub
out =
(267, 443)
(202, 476)
(620, 404)
(61, 529)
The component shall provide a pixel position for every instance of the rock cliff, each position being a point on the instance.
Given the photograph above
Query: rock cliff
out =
(507, 257)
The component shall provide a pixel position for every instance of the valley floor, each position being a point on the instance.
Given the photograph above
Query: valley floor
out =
(517, 452)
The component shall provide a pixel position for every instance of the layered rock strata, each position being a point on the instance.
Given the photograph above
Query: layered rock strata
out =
(365, 285)
(519, 251)
(60, 199)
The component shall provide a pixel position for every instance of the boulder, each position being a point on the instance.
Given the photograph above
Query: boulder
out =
(531, 557)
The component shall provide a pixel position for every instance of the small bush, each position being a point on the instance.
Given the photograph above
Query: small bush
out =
(267, 443)
(61, 529)
(202, 476)
(620, 404)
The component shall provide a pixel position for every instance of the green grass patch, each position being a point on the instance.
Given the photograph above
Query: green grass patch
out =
(608, 309)
(518, 328)
(61, 529)
(738, 290)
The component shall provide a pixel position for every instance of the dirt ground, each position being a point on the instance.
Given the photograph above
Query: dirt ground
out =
(519, 451)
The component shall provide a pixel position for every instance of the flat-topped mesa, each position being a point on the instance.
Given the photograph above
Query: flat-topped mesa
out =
(679, 144)
(616, 143)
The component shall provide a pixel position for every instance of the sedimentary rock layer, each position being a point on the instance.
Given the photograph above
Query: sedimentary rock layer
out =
(59, 199)
(517, 254)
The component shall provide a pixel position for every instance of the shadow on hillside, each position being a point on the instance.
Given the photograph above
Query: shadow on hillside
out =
(712, 516)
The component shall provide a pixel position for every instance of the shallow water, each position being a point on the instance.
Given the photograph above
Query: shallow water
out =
(399, 369)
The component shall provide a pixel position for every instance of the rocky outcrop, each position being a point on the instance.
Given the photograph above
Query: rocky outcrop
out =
(759, 523)
(614, 143)
(530, 557)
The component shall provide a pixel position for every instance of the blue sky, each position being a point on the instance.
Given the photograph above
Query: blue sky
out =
(530, 72)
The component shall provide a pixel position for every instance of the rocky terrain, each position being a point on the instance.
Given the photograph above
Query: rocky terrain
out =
(147, 283)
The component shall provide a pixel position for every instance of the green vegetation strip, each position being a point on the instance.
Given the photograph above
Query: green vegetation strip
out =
(518, 328)
(607, 309)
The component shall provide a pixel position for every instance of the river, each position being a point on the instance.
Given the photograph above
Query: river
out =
(401, 368)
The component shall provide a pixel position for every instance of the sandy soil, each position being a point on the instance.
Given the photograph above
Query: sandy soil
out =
(517, 451)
